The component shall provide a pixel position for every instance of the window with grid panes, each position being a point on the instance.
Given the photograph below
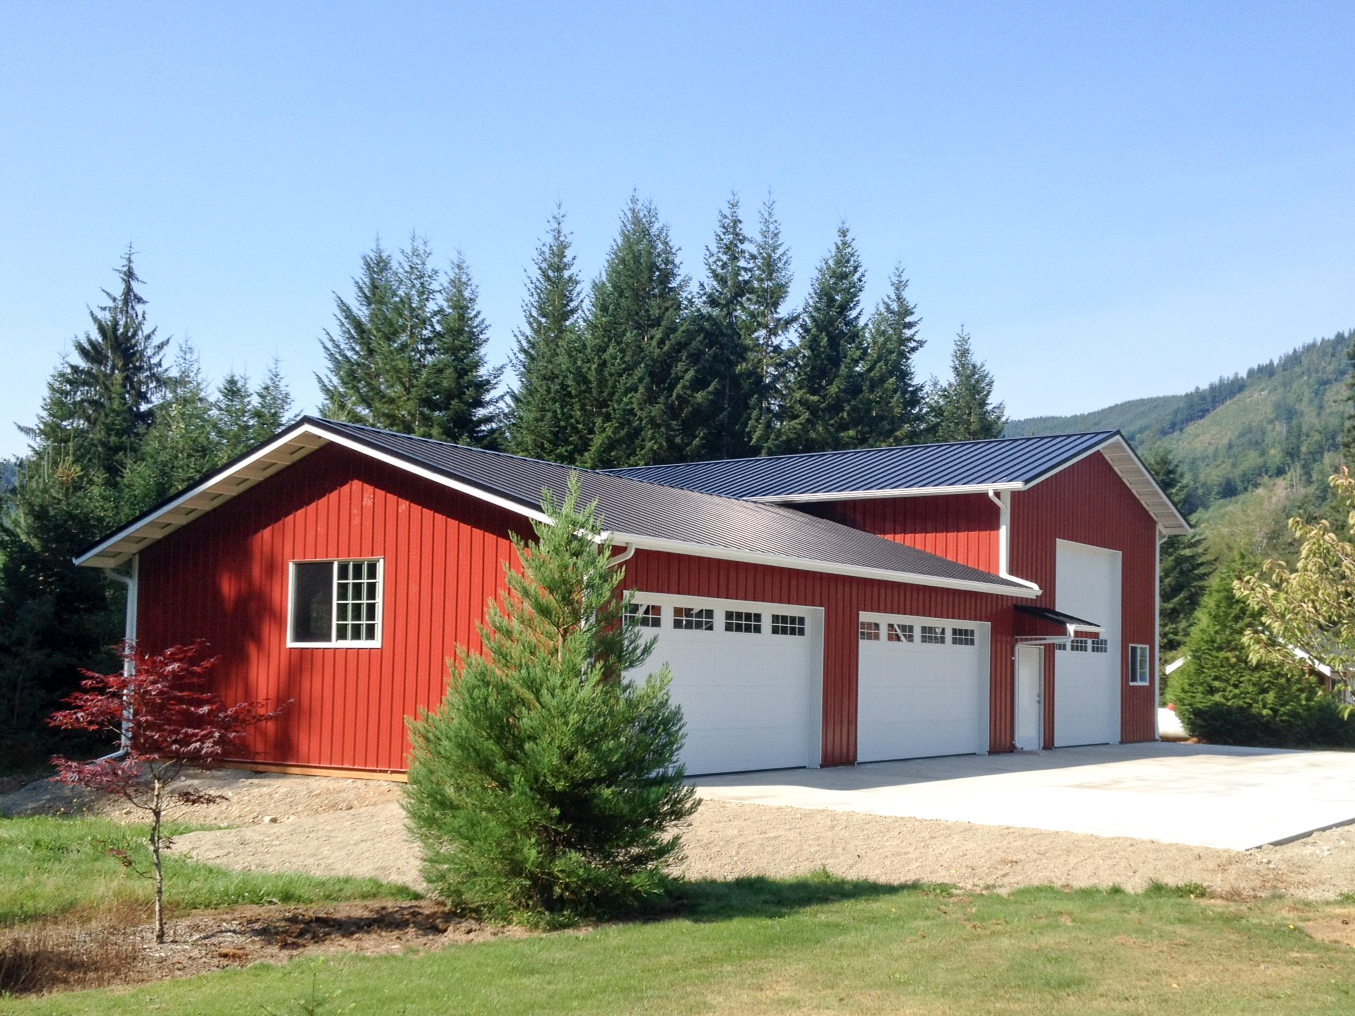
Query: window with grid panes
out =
(788, 624)
(1100, 646)
(933, 634)
(694, 618)
(646, 615)
(336, 602)
(747, 621)
(900, 632)
(962, 636)
(868, 631)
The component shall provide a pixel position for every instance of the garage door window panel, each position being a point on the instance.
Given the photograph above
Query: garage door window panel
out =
(933, 635)
(694, 618)
(746, 622)
(644, 615)
(788, 624)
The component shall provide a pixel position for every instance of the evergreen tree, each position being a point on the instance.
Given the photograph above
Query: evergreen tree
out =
(1225, 698)
(456, 389)
(408, 353)
(1184, 567)
(892, 410)
(961, 409)
(546, 423)
(101, 401)
(823, 404)
(637, 376)
(727, 375)
(1348, 430)
(234, 412)
(767, 331)
(544, 786)
(183, 444)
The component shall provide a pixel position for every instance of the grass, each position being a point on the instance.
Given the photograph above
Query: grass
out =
(53, 865)
(816, 945)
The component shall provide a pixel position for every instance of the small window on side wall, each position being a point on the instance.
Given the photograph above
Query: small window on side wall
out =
(1139, 670)
(336, 603)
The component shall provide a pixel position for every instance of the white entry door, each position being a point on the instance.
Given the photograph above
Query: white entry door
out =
(1030, 698)
(922, 687)
(748, 676)
(1087, 672)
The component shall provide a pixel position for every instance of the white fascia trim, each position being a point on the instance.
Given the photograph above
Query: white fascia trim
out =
(826, 567)
(282, 441)
(428, 474)
(849, 495)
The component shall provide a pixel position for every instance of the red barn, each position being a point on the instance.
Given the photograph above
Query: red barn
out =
(818, 609)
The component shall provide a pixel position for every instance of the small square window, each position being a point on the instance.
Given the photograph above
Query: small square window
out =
(1100, 646)
(1061, 646)
(868, 631)
(694, 618)
(335, 602)
(1079, 645)
(900, 632)
(933, 634)
(962, 636)
(645, 615)
(788, 624)
(1139, 670)
(746, 621)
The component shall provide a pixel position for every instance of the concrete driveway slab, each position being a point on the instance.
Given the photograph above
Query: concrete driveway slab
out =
(1202, 795)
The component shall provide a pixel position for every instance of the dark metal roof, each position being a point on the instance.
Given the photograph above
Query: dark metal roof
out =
(1056, 617)
(635, 511)
(1000, 462)
(638, 508)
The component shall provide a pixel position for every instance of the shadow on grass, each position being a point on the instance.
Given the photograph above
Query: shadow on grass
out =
(758, 896)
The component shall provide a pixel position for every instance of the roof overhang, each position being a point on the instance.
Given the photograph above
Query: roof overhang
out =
(118, 549)
(1058, 617)
(1122, 458)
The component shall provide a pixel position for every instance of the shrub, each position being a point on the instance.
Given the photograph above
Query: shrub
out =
(1224, 698)
(543, 787)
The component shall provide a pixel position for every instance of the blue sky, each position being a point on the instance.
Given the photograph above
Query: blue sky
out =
(1116, 200)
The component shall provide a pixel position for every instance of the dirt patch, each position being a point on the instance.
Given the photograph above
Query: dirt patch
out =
(100, 951)
(330, 826)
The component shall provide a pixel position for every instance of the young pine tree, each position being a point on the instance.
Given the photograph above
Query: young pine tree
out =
(892, 409)
(543, 787)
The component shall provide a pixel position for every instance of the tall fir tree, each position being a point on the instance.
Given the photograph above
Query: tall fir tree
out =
(544, 413)
(962, 409)
(637, 375)
(728, 373)
(408, 353)
(102, 400)
(1348, 430)
(1184, 568)
(824, 398)
(456, 391)
(893, 410)
(769, 330)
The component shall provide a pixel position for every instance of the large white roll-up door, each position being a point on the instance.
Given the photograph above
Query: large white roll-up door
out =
(922, 687)
(1087, 672)
(747, 675)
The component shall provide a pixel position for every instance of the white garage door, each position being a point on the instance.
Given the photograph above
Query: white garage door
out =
(922, 687)
(748, 677)
(1087, 672)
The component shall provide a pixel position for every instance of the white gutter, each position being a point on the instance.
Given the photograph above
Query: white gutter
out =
(623, 557)
(1024, 590)
(1003, 501)
(129, 580)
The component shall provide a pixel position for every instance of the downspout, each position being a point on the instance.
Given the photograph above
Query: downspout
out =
(623, 557)
(129, 580)
(1157, 633)
(1004, 539)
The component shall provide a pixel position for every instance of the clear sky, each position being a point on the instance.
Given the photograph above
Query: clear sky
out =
(1115, 199)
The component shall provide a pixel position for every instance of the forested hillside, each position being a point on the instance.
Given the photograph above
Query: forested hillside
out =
(1281, 421)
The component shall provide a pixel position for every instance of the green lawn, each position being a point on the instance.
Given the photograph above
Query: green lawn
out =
(51, 865)
(825, 946)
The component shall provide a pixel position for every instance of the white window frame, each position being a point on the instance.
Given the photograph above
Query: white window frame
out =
(1140, 666)
(334, 642)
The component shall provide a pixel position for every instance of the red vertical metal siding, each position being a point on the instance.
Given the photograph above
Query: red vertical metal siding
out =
(958, 527)
(1089, 503)
(225, 579)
